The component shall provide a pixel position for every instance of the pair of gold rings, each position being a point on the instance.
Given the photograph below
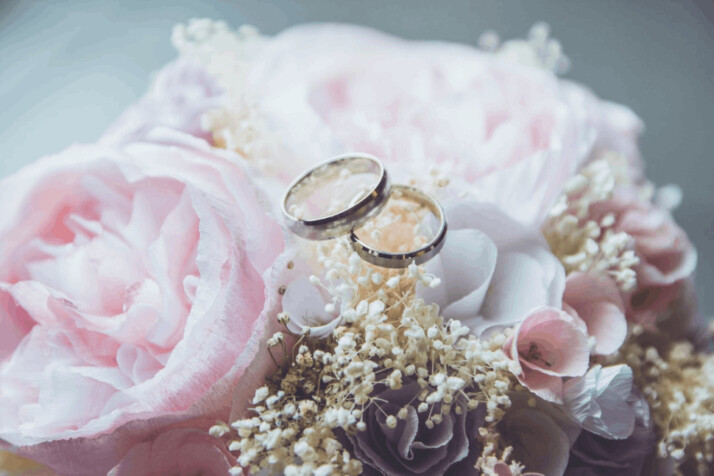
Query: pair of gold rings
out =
(365, 205)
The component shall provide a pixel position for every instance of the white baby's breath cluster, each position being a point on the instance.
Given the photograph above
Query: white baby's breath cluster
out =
(387, 338)
(225, 53)
(678, 383)
(539, 49)
(582, 243)
(490, 457)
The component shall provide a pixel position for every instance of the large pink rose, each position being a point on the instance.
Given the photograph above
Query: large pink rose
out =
(181, 450)
(132, 295)
(515, 133)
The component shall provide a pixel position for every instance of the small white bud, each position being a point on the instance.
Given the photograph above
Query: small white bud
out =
(283, 318)
(260, 395)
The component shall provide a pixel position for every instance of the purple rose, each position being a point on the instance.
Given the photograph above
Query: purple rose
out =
(410, 448)
(466, 467)
(593, 455)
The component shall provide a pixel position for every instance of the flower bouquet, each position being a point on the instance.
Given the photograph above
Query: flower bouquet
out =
(162, 314)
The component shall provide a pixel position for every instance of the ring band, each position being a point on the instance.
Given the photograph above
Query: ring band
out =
(419, 256)
(340, 223)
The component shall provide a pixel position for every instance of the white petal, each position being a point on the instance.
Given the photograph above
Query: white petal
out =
(526, 276)
(465, 266)
(600, 401)
(306, 307)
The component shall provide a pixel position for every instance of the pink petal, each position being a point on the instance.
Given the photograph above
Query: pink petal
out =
(502, 469)
(562, 344)
(547, 387)
(596, 300)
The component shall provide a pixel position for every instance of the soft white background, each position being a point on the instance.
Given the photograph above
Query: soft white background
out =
(67, 68)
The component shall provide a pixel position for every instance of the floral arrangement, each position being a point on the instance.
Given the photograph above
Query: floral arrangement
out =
(157, 318)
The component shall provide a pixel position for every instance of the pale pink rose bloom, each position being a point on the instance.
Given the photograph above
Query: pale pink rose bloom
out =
(595, 299)
(133, 294)
(178, 451)
(667, 257)
(547, 346)
(515, 133)
(181, 93)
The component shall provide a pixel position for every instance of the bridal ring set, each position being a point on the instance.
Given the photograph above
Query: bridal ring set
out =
(366, 205)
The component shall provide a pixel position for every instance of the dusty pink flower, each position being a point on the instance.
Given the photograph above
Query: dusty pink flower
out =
(177, 451)
(133, 294)
(595, 299)
(516, 133)
(547, 346)
(666, 255)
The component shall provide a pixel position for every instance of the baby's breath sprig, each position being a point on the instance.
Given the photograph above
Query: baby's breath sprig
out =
(539, 49)
(386, 337)
(491, 456)
(678, 383)
(582, 243)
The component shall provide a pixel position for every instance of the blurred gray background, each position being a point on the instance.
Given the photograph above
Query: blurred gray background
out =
(68, 68)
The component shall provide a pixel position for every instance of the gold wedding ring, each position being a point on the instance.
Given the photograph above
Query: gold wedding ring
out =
(352, 212)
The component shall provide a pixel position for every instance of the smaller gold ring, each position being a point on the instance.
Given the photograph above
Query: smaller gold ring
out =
(402, 260)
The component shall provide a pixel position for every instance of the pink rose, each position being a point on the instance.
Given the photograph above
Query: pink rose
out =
(666, 255)
(515, 133)
(179, 451)
(547, 346)
(595, 300)
(133, 294)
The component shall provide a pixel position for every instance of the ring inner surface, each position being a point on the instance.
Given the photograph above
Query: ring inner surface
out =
(332, 188)
(410, 221)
